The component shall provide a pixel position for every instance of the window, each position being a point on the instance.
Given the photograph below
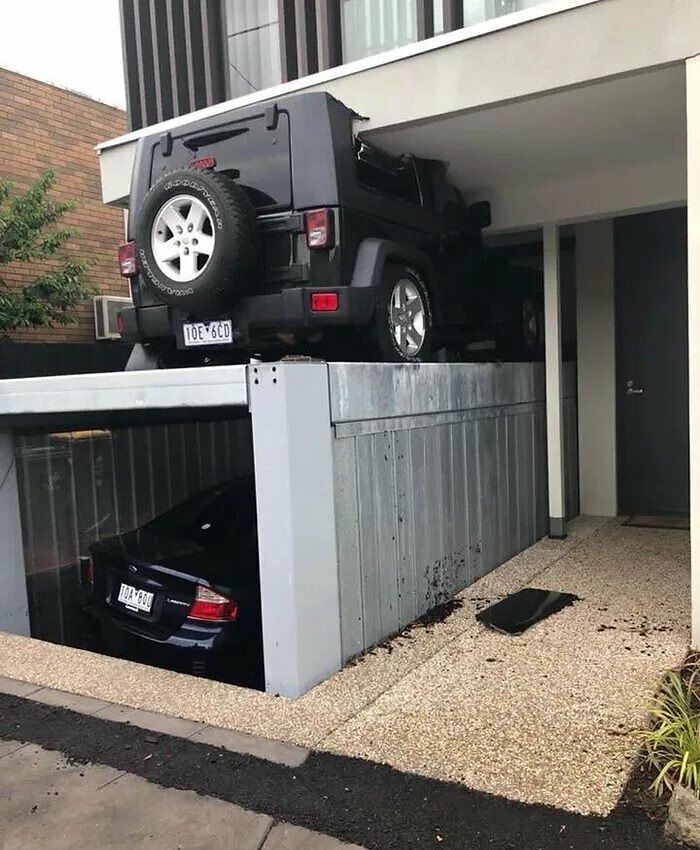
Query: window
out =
(478, 11)
(373, 26)
(258, 156)
(388, 175)
(253, 42)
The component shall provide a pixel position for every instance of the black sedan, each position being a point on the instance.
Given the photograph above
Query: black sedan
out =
(183, 590)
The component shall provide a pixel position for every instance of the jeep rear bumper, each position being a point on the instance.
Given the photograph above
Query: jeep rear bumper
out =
(285, 311)
(291, 308)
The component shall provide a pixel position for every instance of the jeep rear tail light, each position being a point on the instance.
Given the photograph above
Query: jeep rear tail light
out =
(324, 302)
(319, 228)
(203, 162)
(128, 260)
(210, 605)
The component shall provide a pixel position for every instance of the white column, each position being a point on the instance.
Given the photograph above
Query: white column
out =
(693, 154)
(555, 414)
(293, 456)
(14, 613)
(595, 344)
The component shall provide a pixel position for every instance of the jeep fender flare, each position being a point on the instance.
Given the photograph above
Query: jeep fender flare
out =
(374, 254)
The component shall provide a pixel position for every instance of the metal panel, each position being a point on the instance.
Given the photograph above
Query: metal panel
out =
(14, 616)
(330, 51)
(366, 391)
(452, 15)
(347, 529)
(216, 386)
(571, 475)
(370, 557)
(437, 495)
(408, 536)
(297, 531)
(130, 60)
(288, 40)
(307, 42)
(425, 19)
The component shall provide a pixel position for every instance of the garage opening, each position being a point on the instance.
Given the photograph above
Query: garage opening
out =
(140, 541)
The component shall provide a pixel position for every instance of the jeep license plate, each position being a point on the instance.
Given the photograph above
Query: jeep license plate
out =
(208, 333)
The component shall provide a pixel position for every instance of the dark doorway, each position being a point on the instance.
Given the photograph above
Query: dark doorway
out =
(652, 362)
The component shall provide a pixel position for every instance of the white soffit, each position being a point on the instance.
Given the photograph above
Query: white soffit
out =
(634, 118)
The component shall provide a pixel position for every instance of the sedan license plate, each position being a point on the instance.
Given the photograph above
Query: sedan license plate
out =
(208, 333)
(135, 599)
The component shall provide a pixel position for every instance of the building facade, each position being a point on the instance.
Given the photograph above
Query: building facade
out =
(44, 127)
(187, 54)
(576, 118)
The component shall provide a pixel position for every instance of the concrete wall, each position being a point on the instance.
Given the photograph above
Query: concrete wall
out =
(435, 496)
(595, 293)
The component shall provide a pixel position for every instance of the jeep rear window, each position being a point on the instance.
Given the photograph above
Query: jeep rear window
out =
(385, 174)
(257, 158)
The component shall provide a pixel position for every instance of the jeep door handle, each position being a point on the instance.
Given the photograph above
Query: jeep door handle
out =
(632, 390)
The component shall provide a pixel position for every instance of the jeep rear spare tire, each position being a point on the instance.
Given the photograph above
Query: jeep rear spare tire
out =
(197, 241)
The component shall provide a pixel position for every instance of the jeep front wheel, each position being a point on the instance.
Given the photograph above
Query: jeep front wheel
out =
(402, 326)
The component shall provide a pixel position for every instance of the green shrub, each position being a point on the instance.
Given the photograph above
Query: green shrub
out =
(30, 232)
(673, 742)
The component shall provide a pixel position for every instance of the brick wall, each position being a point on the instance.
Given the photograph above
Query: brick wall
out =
(42, 127)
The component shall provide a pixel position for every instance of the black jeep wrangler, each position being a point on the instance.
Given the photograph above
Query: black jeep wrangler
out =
(275, 228)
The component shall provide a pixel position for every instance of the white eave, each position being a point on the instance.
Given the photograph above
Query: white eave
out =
(387, 58)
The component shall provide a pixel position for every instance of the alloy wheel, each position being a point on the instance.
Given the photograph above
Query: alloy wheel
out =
(407, 317)
(182, 238)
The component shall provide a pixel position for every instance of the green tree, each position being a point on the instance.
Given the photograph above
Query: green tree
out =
(30, 233)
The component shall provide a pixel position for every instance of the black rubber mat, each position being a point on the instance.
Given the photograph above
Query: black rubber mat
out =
(523, 609)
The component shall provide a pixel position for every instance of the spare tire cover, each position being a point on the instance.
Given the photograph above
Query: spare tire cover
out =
(197, 241)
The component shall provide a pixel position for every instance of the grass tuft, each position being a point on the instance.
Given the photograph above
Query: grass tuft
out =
(673, 742)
